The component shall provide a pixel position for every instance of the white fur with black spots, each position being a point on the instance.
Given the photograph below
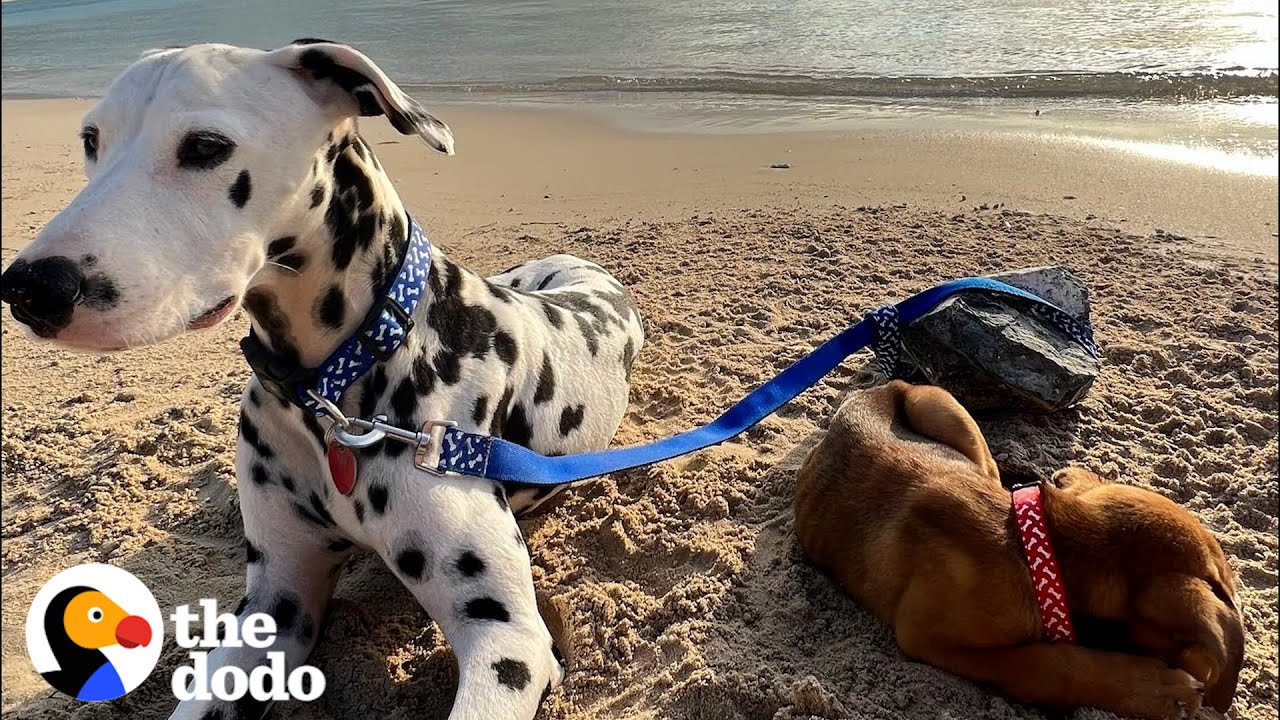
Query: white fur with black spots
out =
(224, 177)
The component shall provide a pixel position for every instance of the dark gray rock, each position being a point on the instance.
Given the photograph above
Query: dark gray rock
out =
(993, 353)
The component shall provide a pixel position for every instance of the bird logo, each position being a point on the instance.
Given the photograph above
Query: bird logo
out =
(94, 632)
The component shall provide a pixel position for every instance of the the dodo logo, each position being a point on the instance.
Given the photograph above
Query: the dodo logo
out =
(94, 632)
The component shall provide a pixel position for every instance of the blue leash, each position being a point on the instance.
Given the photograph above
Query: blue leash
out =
(497, 459)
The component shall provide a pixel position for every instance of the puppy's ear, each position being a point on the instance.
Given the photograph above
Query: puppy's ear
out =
(362, 87)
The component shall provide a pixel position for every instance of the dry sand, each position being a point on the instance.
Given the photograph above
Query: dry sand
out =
(684, 583)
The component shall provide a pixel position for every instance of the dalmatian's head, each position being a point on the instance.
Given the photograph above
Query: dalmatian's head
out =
(197, 159)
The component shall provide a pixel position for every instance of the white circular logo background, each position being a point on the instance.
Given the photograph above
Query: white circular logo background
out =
(133, 665)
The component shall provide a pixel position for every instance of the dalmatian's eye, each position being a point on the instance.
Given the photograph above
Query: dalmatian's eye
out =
(89, 136)
(95, 615)
(204, 149)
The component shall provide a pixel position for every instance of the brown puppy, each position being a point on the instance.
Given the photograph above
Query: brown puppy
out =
(902, 503)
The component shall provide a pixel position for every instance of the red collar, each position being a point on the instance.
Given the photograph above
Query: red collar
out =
(1046, 576)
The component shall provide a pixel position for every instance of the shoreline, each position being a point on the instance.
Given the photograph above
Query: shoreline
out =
(581, 166)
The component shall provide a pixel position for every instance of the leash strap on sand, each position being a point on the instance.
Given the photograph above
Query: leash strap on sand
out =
(497, 459)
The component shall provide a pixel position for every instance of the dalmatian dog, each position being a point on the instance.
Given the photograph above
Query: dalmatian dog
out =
(223, 177)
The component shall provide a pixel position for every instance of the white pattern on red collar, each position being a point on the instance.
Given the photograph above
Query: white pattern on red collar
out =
(1046, 576)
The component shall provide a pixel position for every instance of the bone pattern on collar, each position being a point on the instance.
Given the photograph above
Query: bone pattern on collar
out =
(378, 337)
(1042, 564)
(385, 332)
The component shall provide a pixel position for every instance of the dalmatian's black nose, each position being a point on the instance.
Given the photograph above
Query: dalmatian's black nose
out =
(42, 293)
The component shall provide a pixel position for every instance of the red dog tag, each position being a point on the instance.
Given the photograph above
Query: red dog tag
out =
(342, 467)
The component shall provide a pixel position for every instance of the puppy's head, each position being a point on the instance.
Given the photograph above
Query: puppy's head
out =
(197, 158)
(1183, 606)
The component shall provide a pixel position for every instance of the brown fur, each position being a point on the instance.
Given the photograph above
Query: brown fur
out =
(902, 503)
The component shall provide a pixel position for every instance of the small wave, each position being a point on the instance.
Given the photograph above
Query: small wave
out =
(1218, 85)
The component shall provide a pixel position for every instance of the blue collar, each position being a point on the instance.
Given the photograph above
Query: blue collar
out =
(383, 331)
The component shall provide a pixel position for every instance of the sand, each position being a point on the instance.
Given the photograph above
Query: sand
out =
(685, 587)
(547, 165)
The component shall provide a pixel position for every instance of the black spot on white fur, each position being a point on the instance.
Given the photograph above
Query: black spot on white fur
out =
(498, 292)
(241, 189)
(285, 613)
(571, 418)
(547, 280)
(331, 308)
(294, 261)
(546, 382)
(462, 329)
(486, 608)
(281, 246)
(413, 559)
(517, 428)
(512, 673)
(378, 498)
(628, 357)
(500, 413)
(553, 315)
(372, 388)
(588, 334)
(424, 376)
(249, 431)
(262, 307)
(505, 346)
(314, 512)
(350, 218)
(99, 292)
(470, 564)
(405, 398)
(261, 477)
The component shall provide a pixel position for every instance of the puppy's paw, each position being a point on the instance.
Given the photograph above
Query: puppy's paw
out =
(1164, 693)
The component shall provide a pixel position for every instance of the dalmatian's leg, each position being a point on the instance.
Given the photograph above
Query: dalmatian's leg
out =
(295, 556)
(455, 544)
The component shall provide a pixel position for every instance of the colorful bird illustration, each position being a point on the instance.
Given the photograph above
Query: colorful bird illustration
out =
(78, 623)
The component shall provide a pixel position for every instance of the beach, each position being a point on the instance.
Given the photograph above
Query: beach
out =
(547, 166)
(686, 591)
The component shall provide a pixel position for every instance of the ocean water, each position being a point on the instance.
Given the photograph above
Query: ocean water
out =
(1195, 73)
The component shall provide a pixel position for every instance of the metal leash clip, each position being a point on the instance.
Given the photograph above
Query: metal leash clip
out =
(341, 429)
(354, 432)
(426, 457)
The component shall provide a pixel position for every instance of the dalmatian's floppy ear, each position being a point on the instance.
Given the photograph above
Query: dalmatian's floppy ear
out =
(373, 92)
